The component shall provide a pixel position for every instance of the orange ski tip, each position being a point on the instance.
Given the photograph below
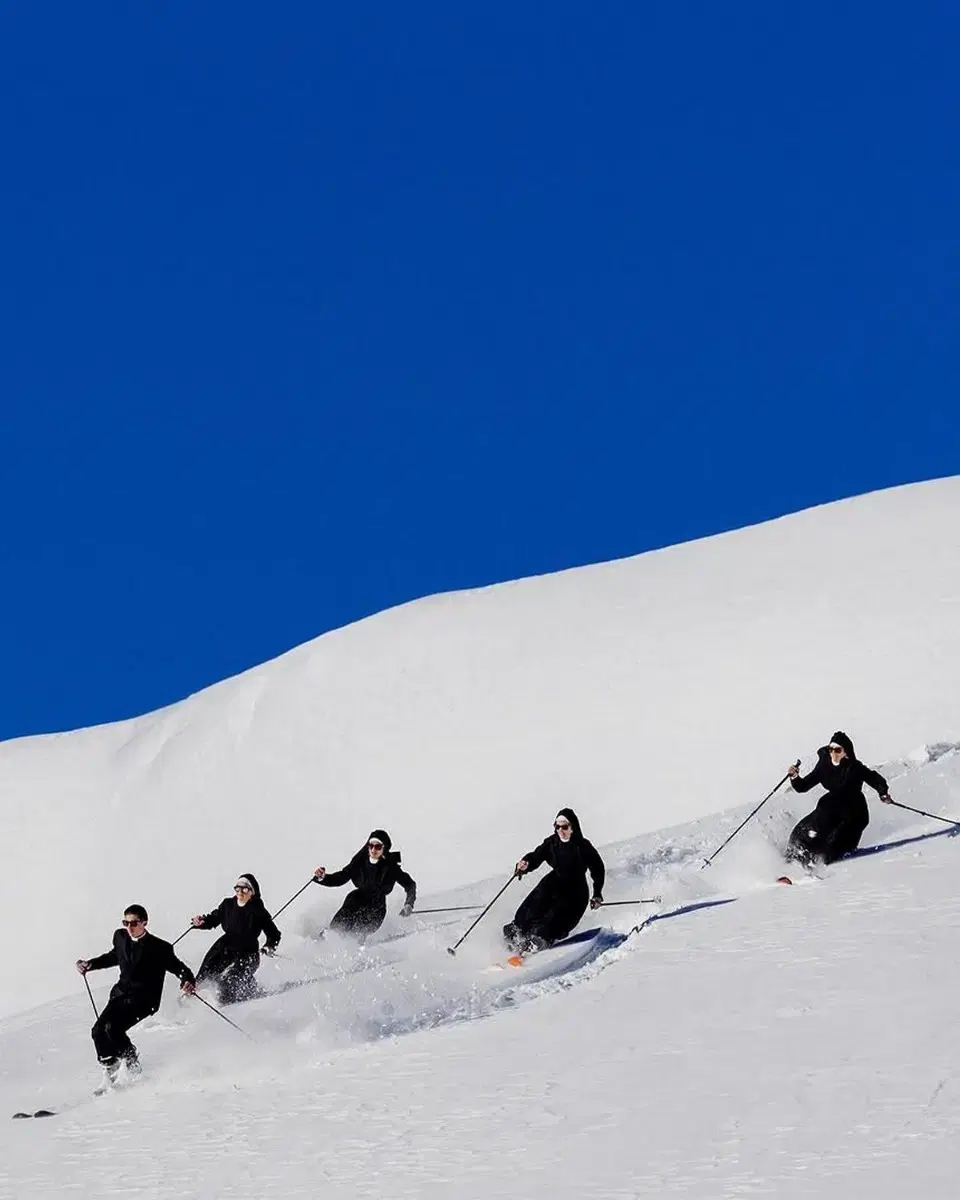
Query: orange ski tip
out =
(515, 960)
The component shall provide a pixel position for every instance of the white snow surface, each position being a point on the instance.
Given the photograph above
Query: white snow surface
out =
(751, 1039)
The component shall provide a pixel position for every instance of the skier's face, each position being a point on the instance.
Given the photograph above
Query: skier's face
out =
(563, 828)
(242, 893)
(133, 925)
(837, 754)
(375, 848)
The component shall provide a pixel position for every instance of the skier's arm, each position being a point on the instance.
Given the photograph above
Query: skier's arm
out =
(210, 920)
(103, 960)
(875, 780)
(598, 871)
(803, 783)
(336, 878)
(178, 968)
(272, 932)
(534, 858)
(408, 885)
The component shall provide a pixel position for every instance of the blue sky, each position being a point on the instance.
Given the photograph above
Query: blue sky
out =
(308, 312)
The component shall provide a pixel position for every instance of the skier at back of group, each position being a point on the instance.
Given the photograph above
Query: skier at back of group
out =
(374, 871)
(559, 900)
(835, 826)
(233, 959)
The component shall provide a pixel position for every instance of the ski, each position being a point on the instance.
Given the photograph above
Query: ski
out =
(40, 1112)
(517, 960)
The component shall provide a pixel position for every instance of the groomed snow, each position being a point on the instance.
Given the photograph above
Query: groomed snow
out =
(752, 1040)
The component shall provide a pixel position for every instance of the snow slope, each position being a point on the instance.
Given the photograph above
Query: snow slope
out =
(750, 1040)
(644, 692)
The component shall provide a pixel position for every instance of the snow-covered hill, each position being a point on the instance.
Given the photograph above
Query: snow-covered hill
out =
(752, 1040)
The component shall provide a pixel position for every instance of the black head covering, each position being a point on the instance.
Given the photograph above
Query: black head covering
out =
(573, 819)
(841, 739)
(381, 835)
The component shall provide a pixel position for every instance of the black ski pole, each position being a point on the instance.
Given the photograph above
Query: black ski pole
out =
(222, 1016)
(90, 994)
(183, 935)
(611, 903)
(921, 813)
(453, 949)
(420, 912)
(292, 898)
(749, 817)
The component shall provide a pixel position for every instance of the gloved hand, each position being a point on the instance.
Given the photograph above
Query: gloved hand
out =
(596, 902)
(406, 910)
(83, 966)
(269, 951)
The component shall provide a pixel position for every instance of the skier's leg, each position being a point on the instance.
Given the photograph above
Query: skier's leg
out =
(216, 960)
(237, 982)
(805, 841)
(841, 840)
(110, 1030)
(564, 915)
(536, 905)
(349, 918)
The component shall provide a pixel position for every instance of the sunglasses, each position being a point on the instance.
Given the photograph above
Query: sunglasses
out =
(374, 845)
(130, 924)
(836, 749)
(242, 887)
(561, 825)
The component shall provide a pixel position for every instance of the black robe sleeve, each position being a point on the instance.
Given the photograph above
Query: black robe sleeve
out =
(535, 858)
(270, 929)
(176, 967)
(874, 779)
(109, 959)
(212, 919)
(337, 878)
(598, 871)
(408, 885)
(803, 783)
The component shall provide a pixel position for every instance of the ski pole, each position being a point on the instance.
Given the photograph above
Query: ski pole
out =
(292, 898)
(611, 903)
(183, 935)
(222, 1016)
(90, 994)
(453, 949)
(921, 813)
(420, 912)
(708, 861)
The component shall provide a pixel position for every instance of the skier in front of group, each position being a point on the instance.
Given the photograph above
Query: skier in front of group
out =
(144, 961)
(559, 900)
(836, 825)
(234, 957)
(374, 871)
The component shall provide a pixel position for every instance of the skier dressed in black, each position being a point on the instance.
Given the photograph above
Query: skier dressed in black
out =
(560, 899)
(234, 957)
(374, 871)
(143, 961)
(835, 826)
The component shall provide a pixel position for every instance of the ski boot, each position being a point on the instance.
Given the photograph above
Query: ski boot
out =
(111, 1068)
